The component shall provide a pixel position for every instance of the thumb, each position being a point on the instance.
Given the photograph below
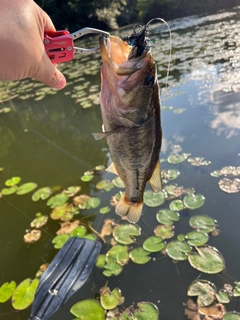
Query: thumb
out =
(48, 74)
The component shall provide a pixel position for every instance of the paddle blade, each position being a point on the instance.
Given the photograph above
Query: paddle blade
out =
(65, 275)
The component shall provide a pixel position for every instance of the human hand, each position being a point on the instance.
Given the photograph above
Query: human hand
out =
(22, 52)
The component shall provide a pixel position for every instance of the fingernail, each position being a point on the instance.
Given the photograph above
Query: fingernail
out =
(60, 84)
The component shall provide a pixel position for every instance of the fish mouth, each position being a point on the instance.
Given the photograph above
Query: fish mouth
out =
(120, 55)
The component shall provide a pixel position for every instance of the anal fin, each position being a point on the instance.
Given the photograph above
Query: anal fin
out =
(132, 211)
(155, 181)
(112, 169)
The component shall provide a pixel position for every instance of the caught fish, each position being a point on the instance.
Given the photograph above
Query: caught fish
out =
(130, 108)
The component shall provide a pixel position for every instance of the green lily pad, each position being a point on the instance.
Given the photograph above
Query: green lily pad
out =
(204, 290)
(119, 254)
(139, 256)
(166, 216)
(177, 250)
(60, 240)
(181, 237)
(8, 191)
(223, 296)
(176, 158)
(192, 201)
(179, 110)
(90, 236)
(104, 210)
(39, 221)
(89, 202)
(1, 169)
(6, 291)
(65, 212)
(118, 182)
(12, 182)
(5, 110)
(124, 234)
(164, 231)
(72, 190)
(101, 261)
(112, 269)
(105, 185)
(100, 167)
(43, 193)
(88, 310)
(176, 205)
(23, 295)
(170, 174)
(80, 232)
(154, 244)
(203, 223)
(197, 238)
(215, 173)
(231, 316)
(153, 199)
(57, 200)
(236, 291)
(207, 259)
(26, 188)
(143, 311)
(110, 299)
(87, 177)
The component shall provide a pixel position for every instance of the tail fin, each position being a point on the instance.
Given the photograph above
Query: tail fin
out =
(132, 211)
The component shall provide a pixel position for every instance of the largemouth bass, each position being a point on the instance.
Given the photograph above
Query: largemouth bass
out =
(130, 108)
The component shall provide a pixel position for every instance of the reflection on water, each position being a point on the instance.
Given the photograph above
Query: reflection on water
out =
(47, 138)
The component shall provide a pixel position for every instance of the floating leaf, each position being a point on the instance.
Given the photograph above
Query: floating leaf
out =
(119, 254)
(164, 231)
(146, 311)
(94, 202)
(170, 174)
(176, 205)
(124, 234)
(236, 291)
(71, 191)
(231, 316)
(23, 295)
(90, 236)
(88, 310)
(204, 290)
(198, 161)
(43, 193)
(179, 110)
(223, 296)
(192, 201)
(57, 200)
(101, 261)
(112, 269)
(104, 210)
(139, 256)
(154, 244)
(166, 216)
(6, 291)
(118, 182)
(105, 185)
(203, 223)
(60, 240)
(230, 170)
(215, 173)
(176, 158)
(197, 238)
(229, 186)
(32, 236)
(213, 312)
(207, 259)
(181, 237)
(26, 188)
(12, 182)
(1, 169)
(87, 177)
(39, 221)
(8, 191)
(153, 199)
(80, 232)
(67, 227)
(110, 299)
(177, 250)
(65, 212)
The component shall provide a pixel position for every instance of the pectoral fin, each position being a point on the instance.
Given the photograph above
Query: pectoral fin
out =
(112, 169)
(155, 181)
(101, 135)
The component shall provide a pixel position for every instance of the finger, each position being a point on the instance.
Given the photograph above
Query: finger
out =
(48, 74)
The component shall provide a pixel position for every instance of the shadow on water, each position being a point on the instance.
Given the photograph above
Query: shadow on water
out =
(46, 138)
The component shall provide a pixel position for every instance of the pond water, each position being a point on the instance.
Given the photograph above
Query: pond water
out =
(46, 138)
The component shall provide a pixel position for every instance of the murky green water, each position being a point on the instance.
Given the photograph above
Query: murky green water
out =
(46, 138)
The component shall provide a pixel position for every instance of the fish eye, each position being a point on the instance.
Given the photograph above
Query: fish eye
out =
(149, 80)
